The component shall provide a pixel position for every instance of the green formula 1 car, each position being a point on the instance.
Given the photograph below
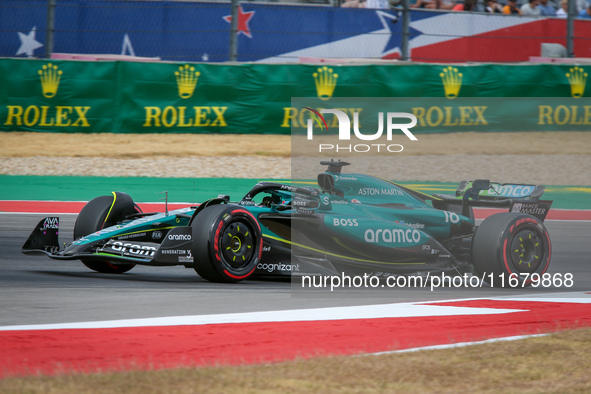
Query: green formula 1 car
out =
(345, 223)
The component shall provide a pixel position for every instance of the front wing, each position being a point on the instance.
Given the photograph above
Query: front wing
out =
(175, 249)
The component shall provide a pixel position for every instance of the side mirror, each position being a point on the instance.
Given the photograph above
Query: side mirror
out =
(480, 184)
(473, 192)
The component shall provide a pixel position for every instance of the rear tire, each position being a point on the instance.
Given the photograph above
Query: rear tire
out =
(100, 213)
(227, 243)
(508, 245)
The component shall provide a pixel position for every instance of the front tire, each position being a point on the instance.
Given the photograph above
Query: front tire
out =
(511, 245)
(103, 212)
(227, 243)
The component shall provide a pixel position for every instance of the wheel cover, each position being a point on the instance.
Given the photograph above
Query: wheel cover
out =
(237, 244)
(526, 251)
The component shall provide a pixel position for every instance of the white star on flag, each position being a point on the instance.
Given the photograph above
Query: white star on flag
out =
(28, 43)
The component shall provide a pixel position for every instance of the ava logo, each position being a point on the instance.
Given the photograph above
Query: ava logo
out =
(186, 80)
(50, 79)
(326, 81)
(577, 78)
(452, 81)
(345, 130)
(51, 223)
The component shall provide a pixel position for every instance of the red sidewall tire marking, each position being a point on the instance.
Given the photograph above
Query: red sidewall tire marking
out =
(239, 277)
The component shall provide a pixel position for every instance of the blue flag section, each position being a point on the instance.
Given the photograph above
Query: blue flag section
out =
(186, 31)
(182, 31)
(200, 32)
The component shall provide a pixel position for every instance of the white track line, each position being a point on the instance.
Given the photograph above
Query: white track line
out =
(459, 344)
(399, 310)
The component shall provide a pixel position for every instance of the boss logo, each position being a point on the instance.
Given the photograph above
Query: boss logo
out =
(345, 222)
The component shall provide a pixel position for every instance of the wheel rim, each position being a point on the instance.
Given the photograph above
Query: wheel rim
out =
(237, 244)
(526, 251)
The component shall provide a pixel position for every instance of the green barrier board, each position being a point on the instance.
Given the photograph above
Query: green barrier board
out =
(129, 97)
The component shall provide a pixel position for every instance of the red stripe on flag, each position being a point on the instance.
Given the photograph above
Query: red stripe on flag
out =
(523, 38)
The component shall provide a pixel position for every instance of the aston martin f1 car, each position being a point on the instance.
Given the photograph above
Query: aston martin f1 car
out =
(343, 222)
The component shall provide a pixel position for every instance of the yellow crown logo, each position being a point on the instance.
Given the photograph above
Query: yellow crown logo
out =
(326, 81)
(50, 79)
(577, 77)
(186, 80)
(452, 81)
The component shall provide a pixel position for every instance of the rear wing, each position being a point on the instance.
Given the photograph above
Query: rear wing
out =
(500, 191)
(521, 198)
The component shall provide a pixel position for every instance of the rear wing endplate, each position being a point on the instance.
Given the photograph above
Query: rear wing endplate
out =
(538, 208)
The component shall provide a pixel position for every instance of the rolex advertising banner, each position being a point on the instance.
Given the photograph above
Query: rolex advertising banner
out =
(128, 97)
(58, 96)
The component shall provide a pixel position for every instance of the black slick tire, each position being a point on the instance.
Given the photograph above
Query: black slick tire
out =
(227, 243)
(511, 246)
(99, 213)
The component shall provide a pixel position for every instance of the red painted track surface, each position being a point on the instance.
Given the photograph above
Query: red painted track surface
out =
(57, 207)
(59, 351)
